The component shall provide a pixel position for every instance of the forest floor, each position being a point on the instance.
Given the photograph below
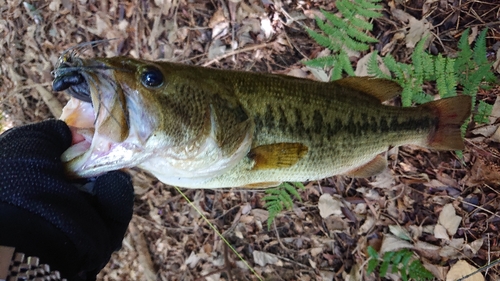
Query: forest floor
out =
(446, 210)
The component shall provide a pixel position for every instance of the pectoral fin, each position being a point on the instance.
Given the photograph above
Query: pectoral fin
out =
(372, 168)
(277, 155)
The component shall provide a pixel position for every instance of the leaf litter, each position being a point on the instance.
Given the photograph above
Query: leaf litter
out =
(443, 208)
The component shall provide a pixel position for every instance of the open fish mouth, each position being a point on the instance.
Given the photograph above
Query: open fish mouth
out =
(98, 115)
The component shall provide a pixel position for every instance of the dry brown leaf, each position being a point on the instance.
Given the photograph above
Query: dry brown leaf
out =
(398, 13)
(495, 111)
(297, 72)
(316, 251)
(427, 250)
(476, 245)
(427, 6)
(390, 46)
(329, 206)
(217, 18)
(392, 243)
(486, 131)
(384, 180)
(483, 171)
(367, 225)
(141, 247)
(264, 258)
(319, 74)
(362, 65)
(399, 232)
(438, 271)
(453, 249)
(473, 34)
(418, 30)
(327, 275)
(217, 48)
(260, 214)
(496, 64)
(192, 260)
(461, 269)
(449, 220)
(440, 232)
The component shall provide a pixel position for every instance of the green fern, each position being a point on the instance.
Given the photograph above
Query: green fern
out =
(483, 112)
(411, 77)
(472, 67)
(401, 261)
(470, 70)
(279, 198)
(346, 33)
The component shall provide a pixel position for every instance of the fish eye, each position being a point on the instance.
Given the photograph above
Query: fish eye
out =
(151, 77)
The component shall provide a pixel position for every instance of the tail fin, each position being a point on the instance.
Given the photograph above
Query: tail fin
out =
(451, 114)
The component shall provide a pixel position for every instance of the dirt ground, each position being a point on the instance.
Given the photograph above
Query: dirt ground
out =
(169, 240)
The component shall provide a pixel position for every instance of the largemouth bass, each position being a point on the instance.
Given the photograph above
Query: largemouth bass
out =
(197, 127)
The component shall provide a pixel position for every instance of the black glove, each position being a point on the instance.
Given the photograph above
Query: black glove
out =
(43, 214)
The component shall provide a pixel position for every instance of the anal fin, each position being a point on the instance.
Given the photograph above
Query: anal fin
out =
(260, 185)
(372, 168)
(277, 155)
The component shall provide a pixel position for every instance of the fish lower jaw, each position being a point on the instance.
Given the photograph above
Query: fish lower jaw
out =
(90, 159)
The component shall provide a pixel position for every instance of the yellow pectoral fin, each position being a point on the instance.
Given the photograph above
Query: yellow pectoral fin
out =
(259, 185)
(372, 168)
(277, 155)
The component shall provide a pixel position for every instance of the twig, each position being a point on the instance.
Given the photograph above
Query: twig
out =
(52, 103)
(279, 239)
(141, 247)
(488, 266)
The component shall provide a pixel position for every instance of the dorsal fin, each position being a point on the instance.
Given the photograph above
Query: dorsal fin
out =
(382, 89)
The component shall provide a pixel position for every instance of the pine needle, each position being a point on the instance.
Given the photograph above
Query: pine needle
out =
(220, 235)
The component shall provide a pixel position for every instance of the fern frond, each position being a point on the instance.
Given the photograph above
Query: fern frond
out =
(361, 24)
(418, 62)
(292, 190)
(362, 8)
(373, 67)
(406, 95)
(327, 61)
(463, 61)
(479, 54)
(333, 31)
(346, 63)
(420, 97)
(346, 8)
(393, 66)
(401, 261)
(346, 32)
(334, 20)
(279, 198)
(360, 35)
(450, 79)
(445, 79)
(323, 40)
(483, 112)
(369, 5)
(428, 62)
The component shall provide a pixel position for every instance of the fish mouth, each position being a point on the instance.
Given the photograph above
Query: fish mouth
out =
(98, 115)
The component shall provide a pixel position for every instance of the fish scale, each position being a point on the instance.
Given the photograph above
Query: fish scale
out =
(210, 128)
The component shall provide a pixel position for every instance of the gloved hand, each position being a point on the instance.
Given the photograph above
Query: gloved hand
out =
(44, 214)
